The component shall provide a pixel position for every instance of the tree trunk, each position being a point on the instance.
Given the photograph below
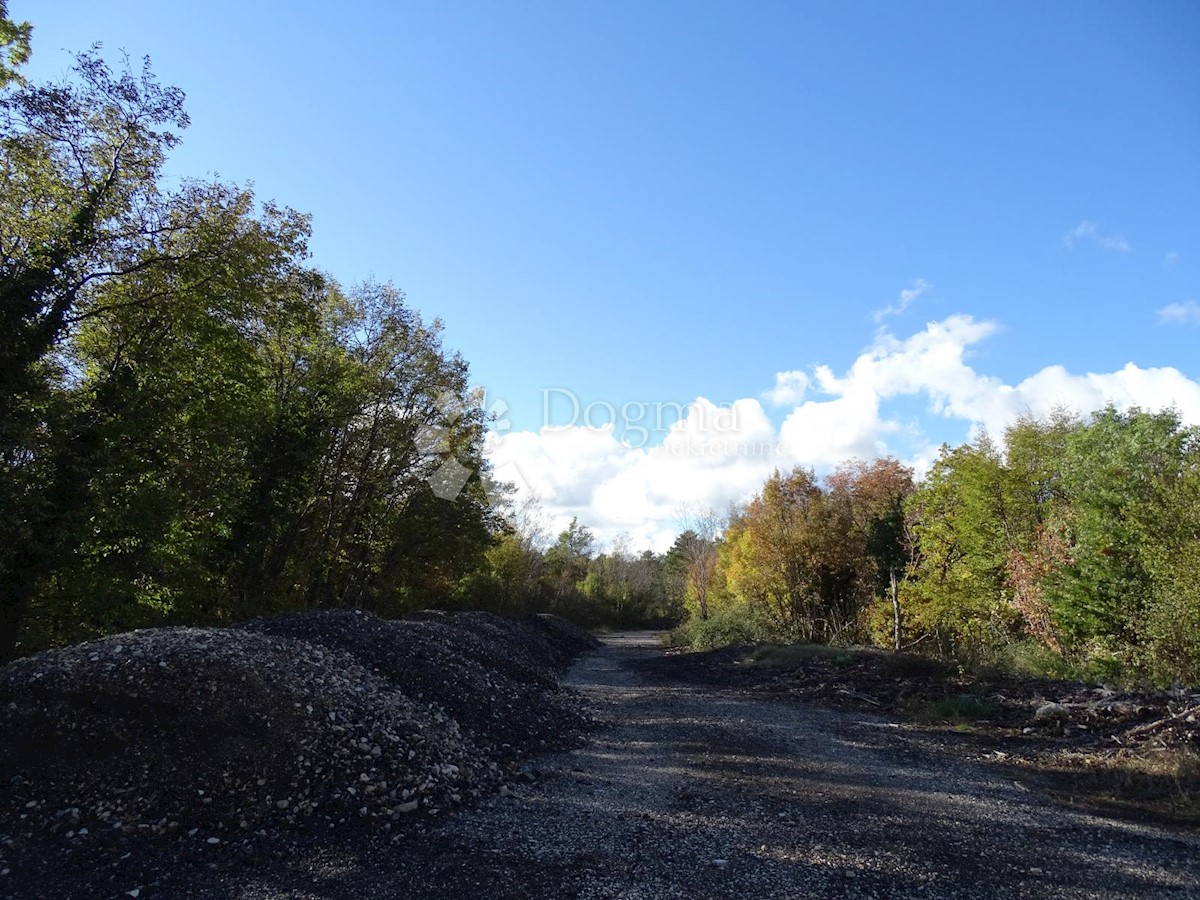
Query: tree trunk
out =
(895, 610)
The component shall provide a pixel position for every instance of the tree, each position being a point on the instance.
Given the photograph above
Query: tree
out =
(698, 546)
(173, 395)
(14, 46)
(792, 552)
(1121, 472)
(1039, 510)
(81, 207)
(960, 516)
(876, 492)
(566, 561)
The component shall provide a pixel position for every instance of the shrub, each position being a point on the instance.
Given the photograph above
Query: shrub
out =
(737, 624)
(1030, 659)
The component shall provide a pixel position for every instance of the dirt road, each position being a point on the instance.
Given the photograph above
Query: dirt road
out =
(690, 792)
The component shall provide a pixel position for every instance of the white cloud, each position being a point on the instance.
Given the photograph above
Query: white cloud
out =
(1087, 231)
(1186, 313)
(907, 297)
(790, 388)
(1171, 258)
(710, 457)
(717, 454)
(826, 432)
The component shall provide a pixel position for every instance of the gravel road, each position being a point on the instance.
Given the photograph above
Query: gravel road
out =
(689, 792)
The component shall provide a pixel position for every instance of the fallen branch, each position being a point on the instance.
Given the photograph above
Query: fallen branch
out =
(1159, 723)
(857, 696)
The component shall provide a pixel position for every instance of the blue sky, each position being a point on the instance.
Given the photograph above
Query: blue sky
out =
(656, 202)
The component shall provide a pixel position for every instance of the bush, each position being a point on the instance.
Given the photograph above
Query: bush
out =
(1030, 659)
(737, 624)
(1170, 628)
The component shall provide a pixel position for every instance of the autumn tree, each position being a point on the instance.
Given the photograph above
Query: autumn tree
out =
(875, 493)
(698, 549)
(789, 553)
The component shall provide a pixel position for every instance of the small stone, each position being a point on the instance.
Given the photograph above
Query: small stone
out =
(720, 863)
(1049, 712)
(213, 840)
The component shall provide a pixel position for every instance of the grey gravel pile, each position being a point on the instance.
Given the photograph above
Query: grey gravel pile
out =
(325, 720)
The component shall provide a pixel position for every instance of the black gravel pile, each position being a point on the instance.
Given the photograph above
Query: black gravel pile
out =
(494, 677)
(195, 737)
(565, 639)
(500, 645)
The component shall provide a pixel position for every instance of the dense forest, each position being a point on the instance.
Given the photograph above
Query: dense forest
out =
(199, 425)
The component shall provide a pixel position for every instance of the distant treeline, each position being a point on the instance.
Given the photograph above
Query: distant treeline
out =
(1074, 548)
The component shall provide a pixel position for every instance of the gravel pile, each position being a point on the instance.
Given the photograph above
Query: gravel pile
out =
(325, 720)
(566, 640)
(495, 677)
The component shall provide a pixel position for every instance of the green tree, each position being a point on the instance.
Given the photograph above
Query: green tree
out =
(14, 46)
(81, 208)
(1122, 472)
(960, 518)
(566, 562)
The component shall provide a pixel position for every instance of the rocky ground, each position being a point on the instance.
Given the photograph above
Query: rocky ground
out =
(135, 755)
(1133, 753)
(692, 790)
(689, 787)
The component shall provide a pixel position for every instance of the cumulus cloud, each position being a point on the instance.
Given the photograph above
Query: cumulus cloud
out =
(1087, 231)
(717, 454)
(1187, 313)
(790, 388)
(907, 297)
(711, 456)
